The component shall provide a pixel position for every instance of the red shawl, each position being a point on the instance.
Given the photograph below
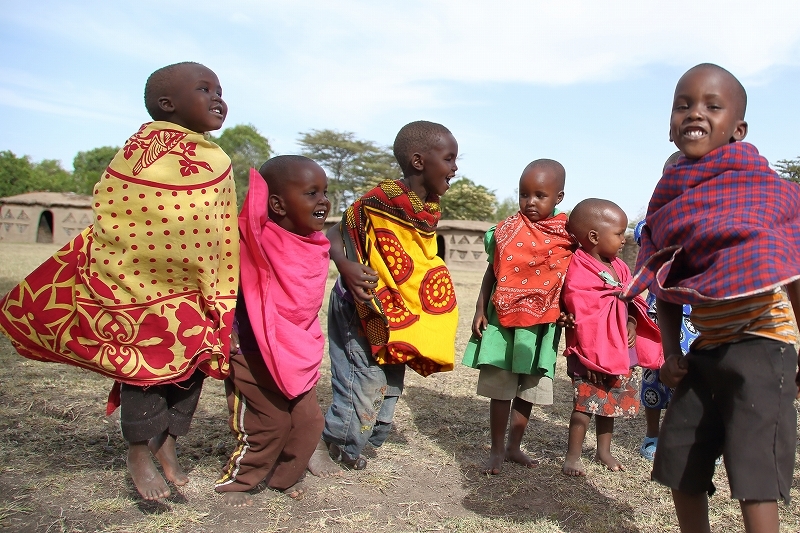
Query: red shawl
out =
(530, 261)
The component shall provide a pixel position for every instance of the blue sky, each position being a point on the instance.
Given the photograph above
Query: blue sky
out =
(587, 83)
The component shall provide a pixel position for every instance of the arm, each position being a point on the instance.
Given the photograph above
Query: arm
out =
(669, 322)
(479, 321)
(793, 289)
(359, 279)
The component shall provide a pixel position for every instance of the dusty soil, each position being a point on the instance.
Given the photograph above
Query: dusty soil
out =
(62, 462)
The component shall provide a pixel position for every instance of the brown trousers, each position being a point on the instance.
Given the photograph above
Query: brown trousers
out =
(275, 436)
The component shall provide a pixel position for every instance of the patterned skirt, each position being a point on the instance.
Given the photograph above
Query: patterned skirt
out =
(616, 396)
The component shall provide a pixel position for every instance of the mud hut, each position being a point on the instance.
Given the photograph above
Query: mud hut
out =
(45, 217)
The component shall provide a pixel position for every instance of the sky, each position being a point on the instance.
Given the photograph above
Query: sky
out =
(588, 83)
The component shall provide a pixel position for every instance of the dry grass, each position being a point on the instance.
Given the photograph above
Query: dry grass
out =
(62, 464)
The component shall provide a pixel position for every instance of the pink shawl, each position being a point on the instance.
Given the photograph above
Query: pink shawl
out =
(283, 283)
(600, 335)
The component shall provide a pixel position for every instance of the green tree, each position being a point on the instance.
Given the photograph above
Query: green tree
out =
(88, 167)
(353, 166)
(16, 174)
(505, 208)
(466, 200)
(247, 149)
(49, 175)
(789, 169)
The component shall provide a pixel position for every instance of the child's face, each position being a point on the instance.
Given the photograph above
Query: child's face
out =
(303, 204)
(610, 234)
(705, 112)
(539, 193)
(196, 100)
(439, 165)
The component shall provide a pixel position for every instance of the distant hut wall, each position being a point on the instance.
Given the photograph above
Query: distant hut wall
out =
(38, 223)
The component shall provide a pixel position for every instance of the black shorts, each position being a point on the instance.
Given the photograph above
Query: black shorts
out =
(738, 401)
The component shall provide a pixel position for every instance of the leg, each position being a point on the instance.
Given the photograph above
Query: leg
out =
(578, 424)
(520, 414)
(182, 401)
(303, 435)
(320, 464)
(653, 418)
(692, 511)
(760, 517)
(498, 421)
(395, 377)
(260, 420)
(358, 385)
(143, 416)
(605, 429)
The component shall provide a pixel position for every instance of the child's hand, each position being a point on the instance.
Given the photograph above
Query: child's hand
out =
(479, 323)
(234, 348)
(359, 279)
(565, 320)
(673, 370)
(596, 377)
(631, 334)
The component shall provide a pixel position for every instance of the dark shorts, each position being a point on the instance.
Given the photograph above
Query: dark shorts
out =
(736, 400)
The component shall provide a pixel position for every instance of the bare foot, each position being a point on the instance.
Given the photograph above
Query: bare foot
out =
(237, 499)
(520, 457)
(573, 467)
(321, 464)
(610, 461)
(148, 481)
(296, 491)
(494, 464)
(163, 448)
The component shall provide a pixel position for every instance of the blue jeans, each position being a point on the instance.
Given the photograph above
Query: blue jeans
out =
(364, 393)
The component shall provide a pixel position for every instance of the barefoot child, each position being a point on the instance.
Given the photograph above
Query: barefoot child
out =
(145, 295)
(722, 234)
(393, 304)
(515, 337)
(272, 394)
(609, 336)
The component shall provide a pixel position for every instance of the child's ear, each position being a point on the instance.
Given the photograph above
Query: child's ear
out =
(593, 236)
(740, 132)
(165, 104)
(417, 161)
(559, 197)
(275, 204)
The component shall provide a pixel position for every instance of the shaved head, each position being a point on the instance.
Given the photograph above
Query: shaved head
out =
(737, 89)
(160, 83)
(281, 170)
(416, 137)
(671, 160)
(589, 214)
(551, 167)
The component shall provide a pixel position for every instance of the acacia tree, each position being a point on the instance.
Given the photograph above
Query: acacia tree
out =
(789, 169)
(20, 175)
(247, 148)
(353, 166)
(466, 200)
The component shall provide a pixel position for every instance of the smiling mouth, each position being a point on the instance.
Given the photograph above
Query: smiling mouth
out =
(320, 214)
(694, 133)
(217, 110)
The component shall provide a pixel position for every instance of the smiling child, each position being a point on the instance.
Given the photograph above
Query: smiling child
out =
(145, 295)
(394, 303)
(722, 233)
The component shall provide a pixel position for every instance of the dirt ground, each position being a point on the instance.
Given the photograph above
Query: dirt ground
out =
(62, 462)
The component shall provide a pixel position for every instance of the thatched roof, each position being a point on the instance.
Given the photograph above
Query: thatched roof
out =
(49, 199)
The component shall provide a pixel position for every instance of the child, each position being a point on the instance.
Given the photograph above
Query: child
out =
(393, 303)
(272, 395)
(515, 337)
(655, 395)
(146, 294)
(722, 234)
(609, 336)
